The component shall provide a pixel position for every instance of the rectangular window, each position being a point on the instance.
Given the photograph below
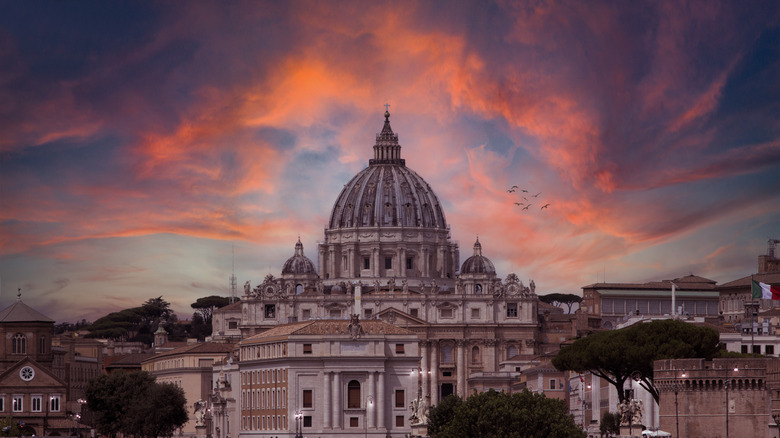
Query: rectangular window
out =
(474, 313)
(35, 403)
(306, 348)
(769, 350)
(757, 349)
(368, 313)
(399, 421)
(308, 398)
(511, 310)
(335, 314)
(388, 263)
(232, 325)
(306, 314)
(400, 400)
(54, 403)
(366, 263)
(18, 405)
(446, 313)
(399, 348)
(270, 310)
(354, 422)
(307, 421)
(409, 263)
(552, 383)
(42, 345)
(2, 404)
(414, 312)
(744, 349)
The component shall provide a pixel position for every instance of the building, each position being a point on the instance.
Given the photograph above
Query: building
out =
(737, 303)
(37, 379)
(191, 368)
(719, 398)
(329, 378)
(693, 296)
(387, 254)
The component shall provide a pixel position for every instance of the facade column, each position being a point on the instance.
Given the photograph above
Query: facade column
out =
(326, 414)
(461, 369)
(323, 259)
(337, 405)
(380, 401)
(424, 372)
(375, 267)
(350, 268)
(371, 415)
(490, 355)
(434, 373)
(402, 262)
(424, 263)
(332, 263)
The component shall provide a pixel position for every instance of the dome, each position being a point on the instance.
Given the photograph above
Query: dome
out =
(477, 264)
(387, 193)
(299, 263)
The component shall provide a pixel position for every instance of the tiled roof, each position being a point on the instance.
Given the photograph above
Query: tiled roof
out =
(199, 348)
(20, 312)
(768, 278)
(132, 359)
(329, 327)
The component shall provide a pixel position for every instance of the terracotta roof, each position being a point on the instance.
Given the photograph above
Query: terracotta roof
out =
(127, 360)
(768, 278)
(329, 327)
(199, 348)
(20, 312)
(230, 307)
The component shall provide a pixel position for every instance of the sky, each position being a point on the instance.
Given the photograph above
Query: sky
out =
(153, 148)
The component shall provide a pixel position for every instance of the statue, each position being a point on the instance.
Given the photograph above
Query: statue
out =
(391, 285)
(434, 288)
(247, 288)
(200, 412)
(533, 287)
(630, 412)
(354, 328)
(419, 412)
(405, 286)
(320, 287)
(376, 286)
(459, 286)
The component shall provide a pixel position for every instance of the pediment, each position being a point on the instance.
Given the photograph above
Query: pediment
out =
(399, 318)
(42, 377)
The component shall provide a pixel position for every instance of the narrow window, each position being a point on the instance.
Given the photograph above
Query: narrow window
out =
(19, 344)
(366, 263)
(409, 263)
(353, 394)
(308, 396)
(446, 354)
(552, 383)
(42, 345)
(35, 402)
(399, 398)
(511, 310)
(769, 350)
(307, 421)
(18, 403)
(399, 348)
(388, 263)
(399, 421)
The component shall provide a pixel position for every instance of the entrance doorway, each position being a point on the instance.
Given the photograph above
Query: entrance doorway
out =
(447, 389)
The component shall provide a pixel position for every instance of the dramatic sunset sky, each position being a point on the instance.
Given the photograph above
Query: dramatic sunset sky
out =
(141, 143)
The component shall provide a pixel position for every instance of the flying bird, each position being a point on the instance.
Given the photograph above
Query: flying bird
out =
(513, 187)
(544, 206)
(537, 194)
(527, 206)
(510, 191)
(519, 203)
(525, 191)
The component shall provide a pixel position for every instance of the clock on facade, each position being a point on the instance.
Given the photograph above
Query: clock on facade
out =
(27, 373)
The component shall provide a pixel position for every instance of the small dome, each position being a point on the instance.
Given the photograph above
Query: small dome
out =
(299, 263)
(477, 264)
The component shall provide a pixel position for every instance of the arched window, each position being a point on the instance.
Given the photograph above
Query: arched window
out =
(19, 344)
(475, 356)
(446, 354)
(298, 289)
(353, 394)
(478, 289)
(511, 351)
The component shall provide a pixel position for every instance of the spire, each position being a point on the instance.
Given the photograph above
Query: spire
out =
(299, 247)
(477, 248)
(387, 150)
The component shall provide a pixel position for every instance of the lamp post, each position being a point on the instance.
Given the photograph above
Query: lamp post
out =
(369, 405)
(728, 383)
(298, 419)
(676, 407)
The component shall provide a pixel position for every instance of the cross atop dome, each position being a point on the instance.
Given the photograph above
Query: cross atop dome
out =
(387, 150)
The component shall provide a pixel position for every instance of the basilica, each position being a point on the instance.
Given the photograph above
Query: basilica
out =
(387, 255)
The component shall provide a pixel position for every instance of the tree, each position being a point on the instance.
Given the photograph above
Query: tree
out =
(499, 414)
(134, 404)
(559, 299)
(206, 305)
(610, 424)
(137, 323)
(618, 355)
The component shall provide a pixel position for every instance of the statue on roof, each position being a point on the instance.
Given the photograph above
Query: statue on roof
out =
(354, 328)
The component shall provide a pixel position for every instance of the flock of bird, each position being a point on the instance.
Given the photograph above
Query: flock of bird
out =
(528, 202)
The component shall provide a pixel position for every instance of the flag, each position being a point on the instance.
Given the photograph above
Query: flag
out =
(765, 291)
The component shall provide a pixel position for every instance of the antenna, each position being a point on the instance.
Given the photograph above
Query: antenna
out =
(233, 275)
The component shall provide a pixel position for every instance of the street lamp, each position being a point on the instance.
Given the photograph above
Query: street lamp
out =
(728, 383)
(298, 419)
(369, 404)
(676, 408)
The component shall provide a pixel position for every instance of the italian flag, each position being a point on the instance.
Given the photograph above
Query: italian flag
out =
(765, 291)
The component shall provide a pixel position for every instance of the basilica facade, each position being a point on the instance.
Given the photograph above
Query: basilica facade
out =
(388, 255)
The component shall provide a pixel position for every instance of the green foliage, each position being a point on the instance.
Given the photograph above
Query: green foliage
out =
(500, 415)
(610, 424)
(63, 327)
(9, 427)
(137, 323)
(560, 299)
(134, 404)
(617, 355)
